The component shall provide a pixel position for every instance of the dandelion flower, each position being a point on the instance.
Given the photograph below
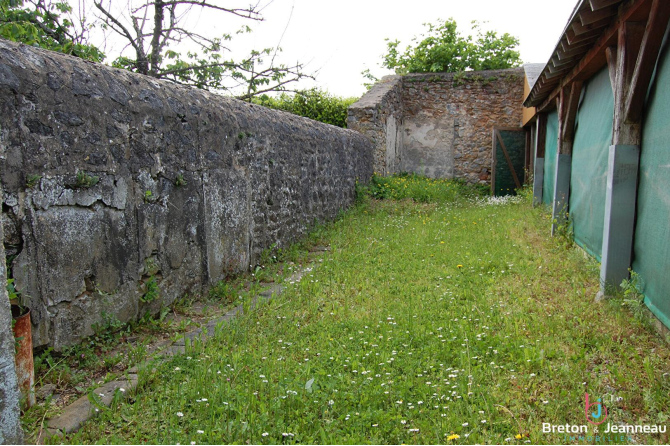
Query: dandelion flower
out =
(518, 436)
(453, 437)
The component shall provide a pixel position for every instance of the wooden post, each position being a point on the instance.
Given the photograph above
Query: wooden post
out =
(568, 103)
(631, 64)
(540, 141)
(530, 150)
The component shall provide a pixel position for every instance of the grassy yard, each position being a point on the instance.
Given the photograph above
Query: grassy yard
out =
(442, 320)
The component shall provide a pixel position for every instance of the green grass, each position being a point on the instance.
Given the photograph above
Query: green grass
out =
(424, 322)
(420, 189)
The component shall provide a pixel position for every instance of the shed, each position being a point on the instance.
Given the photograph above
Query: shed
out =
(601, 129)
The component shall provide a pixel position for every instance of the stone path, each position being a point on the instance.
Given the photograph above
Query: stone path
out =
(73, 416)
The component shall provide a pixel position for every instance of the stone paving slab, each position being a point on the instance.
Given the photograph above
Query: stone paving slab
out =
(76, 414)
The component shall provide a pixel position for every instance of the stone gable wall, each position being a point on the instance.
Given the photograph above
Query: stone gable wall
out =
(443, 121)
(378, 116)
(191, 186)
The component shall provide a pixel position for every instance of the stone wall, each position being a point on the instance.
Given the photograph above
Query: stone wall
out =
(378, 116)
(10, 425)
(189, 187)
(443, 121)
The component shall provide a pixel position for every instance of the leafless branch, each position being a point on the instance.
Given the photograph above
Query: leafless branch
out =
(121, 29)
(275, 87)
(179, 71)
(247, 13)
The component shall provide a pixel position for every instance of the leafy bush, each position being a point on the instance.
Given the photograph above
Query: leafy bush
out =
(314, 104)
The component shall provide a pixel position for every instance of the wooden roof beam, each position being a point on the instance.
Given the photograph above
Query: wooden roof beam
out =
(558, 62)
(590, 17)
(600, 4)
(574, 38)
(595, 57)
(629, 40)
(646, 60)
(576, 52)
(596, 26)
(568, 103)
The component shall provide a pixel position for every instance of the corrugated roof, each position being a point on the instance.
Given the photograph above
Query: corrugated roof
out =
(588, 21)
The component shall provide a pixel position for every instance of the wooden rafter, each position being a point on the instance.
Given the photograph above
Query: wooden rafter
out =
(571, 55)
(568, 103)
(600, 4)
(595, 58)
(574, 38)
(589, 17)
(646, 60)
(629, 40)
(580, 28)
(610, 53)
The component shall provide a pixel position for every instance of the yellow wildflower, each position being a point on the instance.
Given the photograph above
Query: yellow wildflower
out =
(518, 436)
(459, 266)
(453, 437)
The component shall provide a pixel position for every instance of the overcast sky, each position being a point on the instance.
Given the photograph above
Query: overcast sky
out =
(339, 39)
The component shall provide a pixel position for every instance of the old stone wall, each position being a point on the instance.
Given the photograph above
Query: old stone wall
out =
(10, 425)
(115, 183)
(378, 116)
(443, 121)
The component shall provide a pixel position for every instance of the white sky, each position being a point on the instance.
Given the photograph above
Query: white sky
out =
(339, 39)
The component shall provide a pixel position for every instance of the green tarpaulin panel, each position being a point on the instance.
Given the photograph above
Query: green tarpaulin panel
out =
(590, 150)
(550, 157)
(652, 232)
(514, 143)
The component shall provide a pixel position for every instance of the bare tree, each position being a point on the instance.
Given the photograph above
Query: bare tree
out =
(153, 31)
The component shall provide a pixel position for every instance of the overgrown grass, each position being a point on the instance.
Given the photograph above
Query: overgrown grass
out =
(449, 322)
(420, 188)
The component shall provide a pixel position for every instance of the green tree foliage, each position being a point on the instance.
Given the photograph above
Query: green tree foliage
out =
(47, 24)
(313, 103)
(443, 48)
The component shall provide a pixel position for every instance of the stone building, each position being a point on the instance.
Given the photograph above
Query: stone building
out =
(439, 124)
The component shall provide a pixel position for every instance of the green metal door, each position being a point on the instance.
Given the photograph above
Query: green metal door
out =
(508, 159)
